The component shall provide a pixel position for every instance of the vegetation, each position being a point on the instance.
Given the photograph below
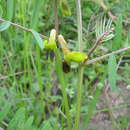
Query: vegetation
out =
(64, 64)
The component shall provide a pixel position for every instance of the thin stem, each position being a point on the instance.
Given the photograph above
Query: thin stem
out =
(112, 108)
(11, 75)
(79, 97)
(113, 17)
(79, 25)
(94, 46)
(23, 28)
(98, 41)
(105, 56)
(81, 68)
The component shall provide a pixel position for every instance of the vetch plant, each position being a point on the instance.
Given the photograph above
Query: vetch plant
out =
(76, 56)
(64, 57)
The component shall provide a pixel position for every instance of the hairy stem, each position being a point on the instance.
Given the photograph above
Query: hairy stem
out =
(105, 56)
(79, 97)
(79, 24)
(98, 41)
(81, 68)
(23, 28)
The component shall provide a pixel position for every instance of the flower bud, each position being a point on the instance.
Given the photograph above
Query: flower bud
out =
(52, 35)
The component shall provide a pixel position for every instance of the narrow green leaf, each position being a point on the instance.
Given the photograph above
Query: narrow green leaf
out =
(36, 12)
(112, 75)
(5, 111)
(117, 42)
(91, 108)
(10, 8)
(47, 126)
(1, 11)
(65, 8)
(108, 26)
(4, 26)
(38, 39)
(16, 119)
(28, 123)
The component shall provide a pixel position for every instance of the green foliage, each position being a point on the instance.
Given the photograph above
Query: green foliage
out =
(103, 25)
(38, 39)
(1, 11)
(35, 94)
(4, 26)
(46, 126)
(5, 110)
(112, 75)
(91, 108)
(117, 43)
(28, 123)
(17, 120)
(65, 8)
(61, 78)
(35, 15)
(10, 9)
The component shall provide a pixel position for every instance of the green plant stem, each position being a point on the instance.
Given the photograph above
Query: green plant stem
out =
(79, 25)
(81, 68)
(107, 109)
(22, 28)
(105, 56)
(60, 75)
(79, 97)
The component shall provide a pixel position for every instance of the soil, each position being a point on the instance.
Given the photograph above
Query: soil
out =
(103, 120)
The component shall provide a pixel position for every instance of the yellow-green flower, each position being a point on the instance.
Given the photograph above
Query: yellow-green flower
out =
(51, 45)
(69, 56)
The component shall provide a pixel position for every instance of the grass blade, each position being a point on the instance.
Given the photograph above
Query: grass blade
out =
(10, 9)
(5, 111)
(35, 15)
(16, 119)
(118, 34)
(27, 125)
(47, 126)
(91, 108)
(112, 75)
